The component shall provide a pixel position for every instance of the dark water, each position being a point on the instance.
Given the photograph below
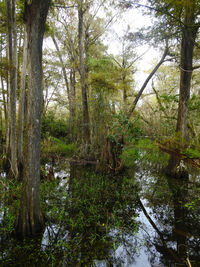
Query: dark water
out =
(141, 218)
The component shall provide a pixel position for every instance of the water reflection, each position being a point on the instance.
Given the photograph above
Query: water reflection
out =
(96, 222)
(173, 214)
(138, 219)
(107, 207)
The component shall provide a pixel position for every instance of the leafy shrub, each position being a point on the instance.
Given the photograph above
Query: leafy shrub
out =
(122, 126)
(192, 153)
(129, 155)
(52, 145)
(54, 127)
(10, 199)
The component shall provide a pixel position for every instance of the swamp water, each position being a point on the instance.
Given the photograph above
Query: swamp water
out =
(141, 218)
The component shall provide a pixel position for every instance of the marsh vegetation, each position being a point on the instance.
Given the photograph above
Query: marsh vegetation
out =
(99, 165)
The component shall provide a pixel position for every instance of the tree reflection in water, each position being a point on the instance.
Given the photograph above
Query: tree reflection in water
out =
(173, 213)
(142, 219)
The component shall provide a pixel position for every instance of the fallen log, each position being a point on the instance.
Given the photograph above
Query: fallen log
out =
(195, 162)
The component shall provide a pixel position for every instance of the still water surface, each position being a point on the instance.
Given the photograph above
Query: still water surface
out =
(138, 218)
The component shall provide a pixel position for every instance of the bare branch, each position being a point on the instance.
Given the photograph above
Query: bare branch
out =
(61, 6)
(146, 81)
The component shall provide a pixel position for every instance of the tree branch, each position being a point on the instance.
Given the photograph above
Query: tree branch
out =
(61, 6)
(146, 82)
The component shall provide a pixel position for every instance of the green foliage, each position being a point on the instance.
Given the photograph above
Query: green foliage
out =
(90, 216)
(3, 16)
(51, 126)
(187, 148)
(129, 156)
(52, 145)
(96, 205)
(147, 144)
(10, 196)
(169, 98)
(193, 204)
(124, 134)
(122, 126)
(102, 76)
(194, 103)
(144, 150)
(191, 153)
(4, 66)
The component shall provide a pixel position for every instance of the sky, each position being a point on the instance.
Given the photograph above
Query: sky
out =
(135, 19)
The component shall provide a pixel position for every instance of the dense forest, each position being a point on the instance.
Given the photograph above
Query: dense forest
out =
(92, 135)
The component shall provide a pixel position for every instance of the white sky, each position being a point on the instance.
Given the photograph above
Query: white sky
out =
(135, 19)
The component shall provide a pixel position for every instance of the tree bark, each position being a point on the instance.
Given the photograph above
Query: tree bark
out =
(73, 91)
(86, 122)
(30, 219)
(12, 56)
(73, 95)
(4, 102)
(186, 68)
(3, 92)
(124, 92)
(22, 106)
(1, 130)
(189, 33)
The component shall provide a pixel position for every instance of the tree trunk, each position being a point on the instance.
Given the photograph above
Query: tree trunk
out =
(124, 91)
(69, 92)
(30, 220)
(73, 95)
(186, 67)
(3, 92)
(86, 124)
(189, 33)
(12, 55)
(124, 84)
(7, 122)
(1, 130)
(22, 106)
(4, 102)
(73, 91)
